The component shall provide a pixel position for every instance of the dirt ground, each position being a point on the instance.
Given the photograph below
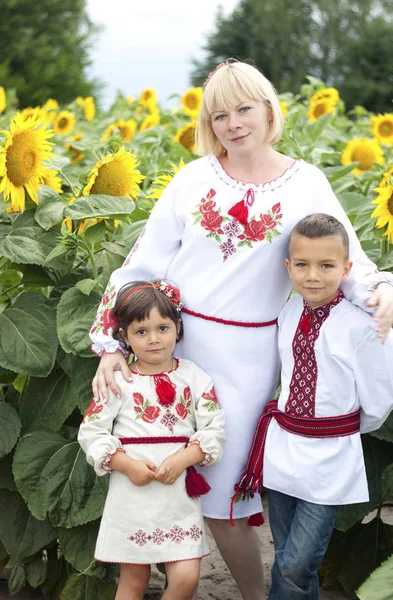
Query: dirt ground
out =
(216, 581)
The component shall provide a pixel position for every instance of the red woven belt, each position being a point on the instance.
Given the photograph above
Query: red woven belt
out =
(155, 440)
(251, 480)
(226, 322)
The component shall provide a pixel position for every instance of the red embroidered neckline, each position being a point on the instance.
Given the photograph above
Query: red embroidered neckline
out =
(177, 361)
(229, 180)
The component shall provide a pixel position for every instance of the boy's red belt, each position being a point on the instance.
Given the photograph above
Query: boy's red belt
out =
(196, 484)
(250, 482)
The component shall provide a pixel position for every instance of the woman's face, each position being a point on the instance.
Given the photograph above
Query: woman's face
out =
(242, 129)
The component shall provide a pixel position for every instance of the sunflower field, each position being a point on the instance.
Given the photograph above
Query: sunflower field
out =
(76, 187)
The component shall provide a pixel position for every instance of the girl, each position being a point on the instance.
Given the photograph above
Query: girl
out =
(165, 420)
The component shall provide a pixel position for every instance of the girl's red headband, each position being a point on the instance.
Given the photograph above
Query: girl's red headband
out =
(170, 291)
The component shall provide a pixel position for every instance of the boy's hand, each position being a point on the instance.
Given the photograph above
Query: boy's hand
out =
(140, 472)
(171, 468)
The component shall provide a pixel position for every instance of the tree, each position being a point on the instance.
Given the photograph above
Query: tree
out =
(342, 42)
(44, 49)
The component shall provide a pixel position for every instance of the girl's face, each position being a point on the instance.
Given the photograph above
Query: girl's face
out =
(242, 128)
(153, 340)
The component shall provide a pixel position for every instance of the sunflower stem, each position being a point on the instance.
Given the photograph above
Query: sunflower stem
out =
(385, 246)
(74, 193)
(90, 252)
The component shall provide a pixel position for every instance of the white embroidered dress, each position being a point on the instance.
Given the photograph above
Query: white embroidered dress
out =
(353, 370)
(237, 273)
(155, 522)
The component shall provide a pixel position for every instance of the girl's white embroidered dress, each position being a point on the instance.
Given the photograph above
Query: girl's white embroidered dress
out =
(155, 522)
(234, 272)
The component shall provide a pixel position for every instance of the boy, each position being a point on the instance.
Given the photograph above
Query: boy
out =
(337, 382)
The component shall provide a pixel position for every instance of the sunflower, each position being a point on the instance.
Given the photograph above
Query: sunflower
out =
(36, 113)
(80, 100)
(3, 99)
(284, 107)
(89, 108)
(149, 122)
(191, 101)
(115, 175)
(22, 160)
(50, 107)
(186, 136)
(319, 108)
(365, 152)
(76, 154)
(330, 94)
(64, 122)
(163, 180)
(148, 95)
(387, 178)
(126, 129)
(382, 128)
(51, 179)
(384, 210)
(129, 100)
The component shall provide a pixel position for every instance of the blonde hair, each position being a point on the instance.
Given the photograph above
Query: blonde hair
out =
(232, 84)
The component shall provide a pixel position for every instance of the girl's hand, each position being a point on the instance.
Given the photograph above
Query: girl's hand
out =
(170, 469)
(140, 472)
(382, 298)
(103, 379)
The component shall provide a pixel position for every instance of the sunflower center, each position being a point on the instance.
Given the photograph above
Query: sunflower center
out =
(320, 109)
(187, 138)
(21, 158)
(192, 102)
(386, 129)
(63, 123)
(390, 204)
(111, 180)
(364, 157)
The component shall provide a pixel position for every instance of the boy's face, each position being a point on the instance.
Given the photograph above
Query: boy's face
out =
(317, 266)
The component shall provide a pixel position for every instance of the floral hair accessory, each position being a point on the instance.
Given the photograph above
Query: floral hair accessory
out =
(171, 292)
(213, 72)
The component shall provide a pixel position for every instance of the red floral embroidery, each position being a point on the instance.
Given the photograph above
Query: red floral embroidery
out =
(212, 403)
(236, 235)
(176, 534)
(144, 410)
(95, 407)
(183, 407)
(105, 321)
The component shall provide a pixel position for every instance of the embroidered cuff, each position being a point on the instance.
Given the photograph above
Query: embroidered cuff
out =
(208, 456)
(109, 347)
(105, 465)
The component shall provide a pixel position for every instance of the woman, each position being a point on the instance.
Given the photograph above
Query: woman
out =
(220, 231)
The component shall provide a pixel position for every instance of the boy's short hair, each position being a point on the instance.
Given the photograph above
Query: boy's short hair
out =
(321, 225)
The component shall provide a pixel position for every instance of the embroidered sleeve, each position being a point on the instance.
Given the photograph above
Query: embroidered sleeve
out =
(106, 464)
(95, 435)
(210, 419)
(150, 256)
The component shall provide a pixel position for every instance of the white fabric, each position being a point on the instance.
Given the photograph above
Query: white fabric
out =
(156, 522)
(354, 371)
(250, 285)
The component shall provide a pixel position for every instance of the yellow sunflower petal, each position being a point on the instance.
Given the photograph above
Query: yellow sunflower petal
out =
(382, 128)
(192, 100)
(186, 136)
(115, 175)
(64, 122)
(364, 151)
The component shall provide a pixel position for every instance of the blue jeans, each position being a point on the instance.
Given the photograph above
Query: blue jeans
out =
(301, 533)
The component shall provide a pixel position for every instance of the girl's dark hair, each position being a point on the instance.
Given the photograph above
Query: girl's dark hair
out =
(320, 225)
(139, 304)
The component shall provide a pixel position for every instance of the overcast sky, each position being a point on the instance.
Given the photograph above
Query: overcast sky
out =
(149, 43)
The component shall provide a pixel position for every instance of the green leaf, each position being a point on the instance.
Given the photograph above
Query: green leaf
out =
(47, 402)
(385, 432)
(36, 571)
(81, 378)
(57, 163)
(10, 277)
(95, 234)
(386, 262)
(28, 245)
(16, 578)
(84, 587)
(58, 571)
(28, 340)
(50, 208)
(54, 478)
(78, 546)
(377, 455)
(6, 476)
(86, 286)
(387, 483)
(99, 206)
(352, 201)
(379, 585)
(335, 173)
(314, 130)
(10, 427)
(22, 534)
(75, 315)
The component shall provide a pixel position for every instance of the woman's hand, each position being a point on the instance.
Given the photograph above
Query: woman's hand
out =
(382, 299)
(104, 378)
